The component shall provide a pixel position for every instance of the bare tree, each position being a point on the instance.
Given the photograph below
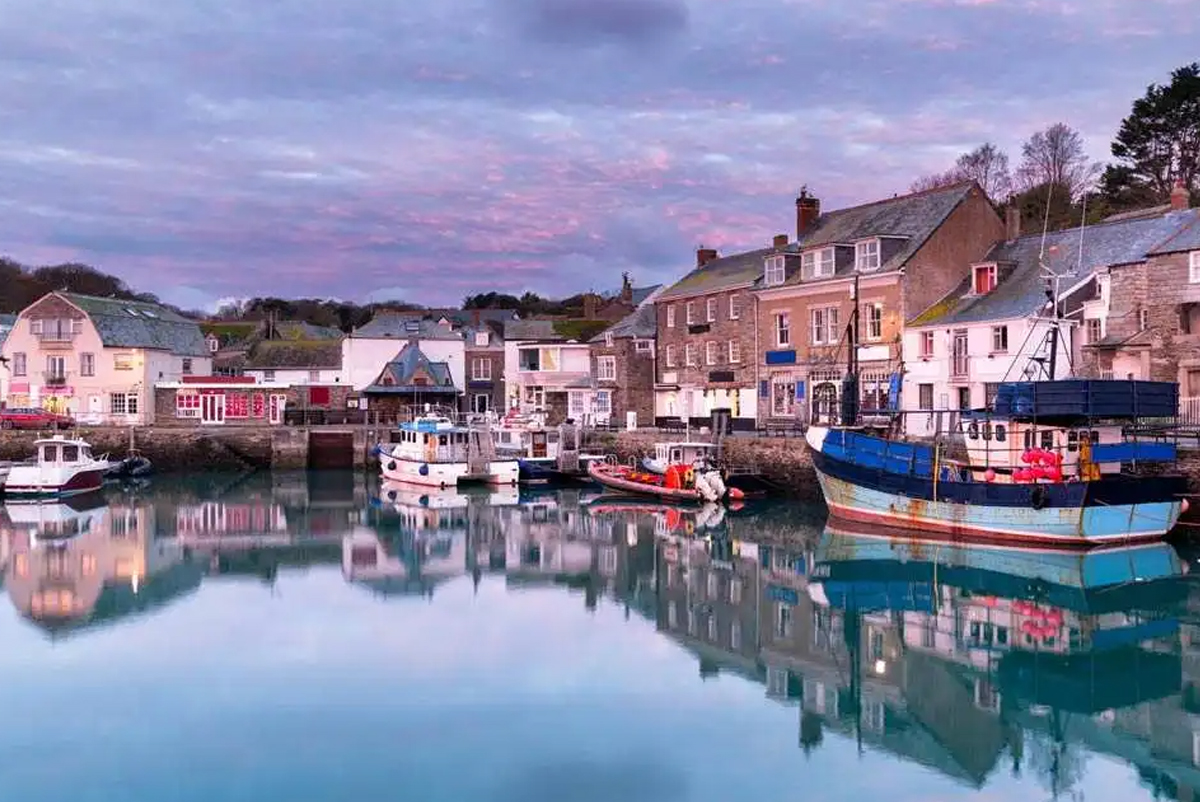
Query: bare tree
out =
(987, 166)
(933, 181)
(1056, 156)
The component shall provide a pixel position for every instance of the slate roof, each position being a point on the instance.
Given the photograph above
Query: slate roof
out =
(914, 217)
(136, 324)
(539, 328)
(1186, 240)
(1023, 291)
(401, 325)
(719, 274)
(292, 354)
(640, 294)
(642, 323)
(401, 369)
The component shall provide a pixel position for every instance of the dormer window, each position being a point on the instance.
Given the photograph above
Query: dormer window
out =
(481, 338)
(817, 264)
(774, 271)
(985, 279)
(866, 255)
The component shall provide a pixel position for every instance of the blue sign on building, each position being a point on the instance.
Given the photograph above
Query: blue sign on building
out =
(787, 357)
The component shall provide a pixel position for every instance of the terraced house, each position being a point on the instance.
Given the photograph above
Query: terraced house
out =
(706, 341)
(900, 255)
(98, 359)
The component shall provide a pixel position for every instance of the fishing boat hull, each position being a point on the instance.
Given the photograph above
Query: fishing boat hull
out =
(1076, 514)
(445, 474)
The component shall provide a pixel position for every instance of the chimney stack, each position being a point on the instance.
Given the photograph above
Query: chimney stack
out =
(808, 209)
(589, 305)
(781, 241)
(1179, 196)
(705, 255)
(1012, 221)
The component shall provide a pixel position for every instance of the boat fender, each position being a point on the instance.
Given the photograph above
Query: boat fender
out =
(423, 470)
(1039, 497)
(391, 466)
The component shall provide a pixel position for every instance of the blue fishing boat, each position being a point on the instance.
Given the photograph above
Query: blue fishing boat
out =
(1048, 465)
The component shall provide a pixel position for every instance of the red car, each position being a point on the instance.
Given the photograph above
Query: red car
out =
(30, 418)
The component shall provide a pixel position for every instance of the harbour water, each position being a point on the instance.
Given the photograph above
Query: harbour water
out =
(318, 637)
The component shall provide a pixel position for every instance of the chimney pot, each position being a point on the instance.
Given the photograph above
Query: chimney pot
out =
(1012, 221)
(808, 209)
(705, 255)
(781, 241)
(1179, 196)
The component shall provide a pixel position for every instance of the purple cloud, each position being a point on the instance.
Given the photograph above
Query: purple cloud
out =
(234, 149)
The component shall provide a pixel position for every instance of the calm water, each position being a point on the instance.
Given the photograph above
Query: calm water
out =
(313, 637)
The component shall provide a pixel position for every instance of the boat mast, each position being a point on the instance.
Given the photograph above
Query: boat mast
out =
(850, 384)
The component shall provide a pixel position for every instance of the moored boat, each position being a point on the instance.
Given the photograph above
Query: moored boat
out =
(61, 467)
(435, 452)
(545, 454)
(1049, 465)
(680, 483)
(698, 452)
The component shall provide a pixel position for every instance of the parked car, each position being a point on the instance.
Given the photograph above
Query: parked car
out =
(30, 418)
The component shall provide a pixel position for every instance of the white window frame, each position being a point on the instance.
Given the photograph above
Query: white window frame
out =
(783, 329)
(818, 263)
(87, 364)
(822, 325)
(606, 368)
(867, 255)
(1098, 323)
(872, 311)
(482, 339)
(735, 307)
(1194, 267)
(735, 352)
(999, 332)
(710, 352)
(671, 316)
(710, 310)
(774, 270)
(20, 364)
(928, 338)
(689, 355)
(602, 410)
(129, 403)
(478, 375)
(689, 313)
(669, 356)
(992, 275)
(608, 339)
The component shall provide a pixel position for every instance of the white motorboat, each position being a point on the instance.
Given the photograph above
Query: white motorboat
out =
(62, 466)
(435, 452)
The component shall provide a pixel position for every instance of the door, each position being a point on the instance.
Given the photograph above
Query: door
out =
(275, 407)
(960, 363)
(212, 408)
(539, 445)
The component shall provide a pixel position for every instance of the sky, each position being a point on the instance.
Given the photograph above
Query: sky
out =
(424, 151)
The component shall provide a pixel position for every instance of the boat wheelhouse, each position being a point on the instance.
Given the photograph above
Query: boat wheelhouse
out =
(61, 466)
(545, 453)
(1070, 487)
(436, 452)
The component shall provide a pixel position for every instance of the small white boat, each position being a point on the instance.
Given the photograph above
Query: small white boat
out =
(435, 452)
(546, 454)
(61, 467)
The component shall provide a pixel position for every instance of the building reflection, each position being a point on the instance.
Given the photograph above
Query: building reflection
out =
(85, 562)
(972, 662)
